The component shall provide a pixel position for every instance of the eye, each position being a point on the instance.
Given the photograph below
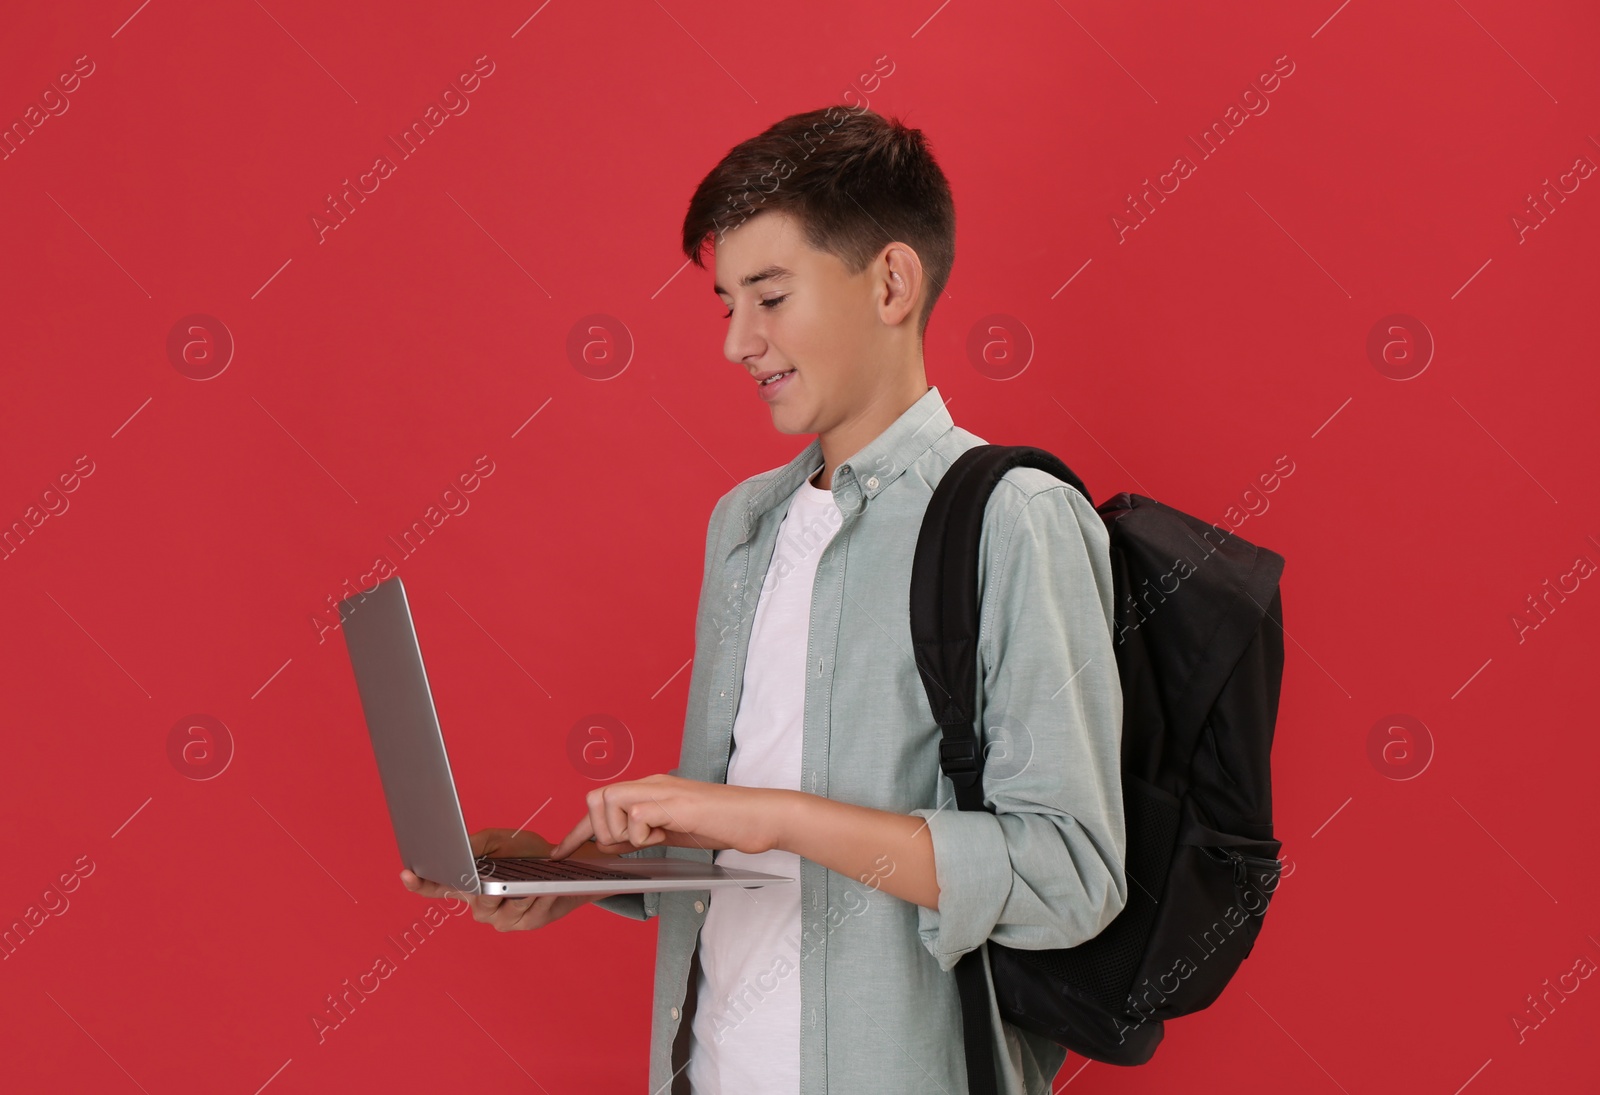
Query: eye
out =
(774, 302)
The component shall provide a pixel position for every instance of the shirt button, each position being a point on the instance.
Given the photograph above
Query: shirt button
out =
(872, 483)
(674, 1013)
(699, 906)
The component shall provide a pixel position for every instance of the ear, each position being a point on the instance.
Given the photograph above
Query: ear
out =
(902, 281)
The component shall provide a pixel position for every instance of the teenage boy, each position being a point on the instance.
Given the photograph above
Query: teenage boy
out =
(809, 747)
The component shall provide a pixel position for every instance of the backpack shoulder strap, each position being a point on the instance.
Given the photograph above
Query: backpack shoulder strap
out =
(944, 640)
(944, 599)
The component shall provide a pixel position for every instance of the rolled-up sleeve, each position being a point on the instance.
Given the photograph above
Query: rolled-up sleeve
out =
(635, 906)
(1045, 869)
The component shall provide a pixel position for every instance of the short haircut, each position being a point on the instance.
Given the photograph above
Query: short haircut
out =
(854, 180)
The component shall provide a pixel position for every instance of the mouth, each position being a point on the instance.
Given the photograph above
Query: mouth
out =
(772, 385)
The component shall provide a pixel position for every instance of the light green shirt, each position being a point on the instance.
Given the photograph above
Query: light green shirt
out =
(880, 1011)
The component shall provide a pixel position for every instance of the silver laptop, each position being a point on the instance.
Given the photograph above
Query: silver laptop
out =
(421, 793)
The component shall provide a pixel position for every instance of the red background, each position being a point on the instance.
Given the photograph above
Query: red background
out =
(373, 367)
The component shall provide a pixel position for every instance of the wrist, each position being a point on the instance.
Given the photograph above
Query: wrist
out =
(789, 810)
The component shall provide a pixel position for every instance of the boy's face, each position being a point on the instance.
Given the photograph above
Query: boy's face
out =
(808, 314)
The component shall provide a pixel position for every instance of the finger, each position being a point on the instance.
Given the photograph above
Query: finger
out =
(522, 912)
(542, 911)
(487, 841)
(581, 832)
(426, 888)
(423, 886)
(484, 907)
(603, 804)
(639, 823)
(619, 821)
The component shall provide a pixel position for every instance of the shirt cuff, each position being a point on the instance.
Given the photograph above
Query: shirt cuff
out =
(635, 906)
(973, 868)
(631, 905)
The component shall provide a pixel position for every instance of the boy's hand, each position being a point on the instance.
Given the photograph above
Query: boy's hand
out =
(506, 913)
(683, 813)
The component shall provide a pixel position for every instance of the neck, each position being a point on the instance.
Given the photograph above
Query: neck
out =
(854, 434)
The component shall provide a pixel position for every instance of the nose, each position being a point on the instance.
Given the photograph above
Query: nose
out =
(743, 340)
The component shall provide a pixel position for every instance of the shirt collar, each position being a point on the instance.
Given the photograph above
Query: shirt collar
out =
(866, 473)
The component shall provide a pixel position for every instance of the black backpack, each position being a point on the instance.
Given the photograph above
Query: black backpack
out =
(1199, 648)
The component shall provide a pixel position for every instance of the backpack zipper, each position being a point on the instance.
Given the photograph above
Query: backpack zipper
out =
(1241, 862)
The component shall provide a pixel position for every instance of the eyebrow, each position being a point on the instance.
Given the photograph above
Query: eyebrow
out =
(766, 274)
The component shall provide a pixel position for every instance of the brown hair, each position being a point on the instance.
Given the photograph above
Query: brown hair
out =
(855, 181)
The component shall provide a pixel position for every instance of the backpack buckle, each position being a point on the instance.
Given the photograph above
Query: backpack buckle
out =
(959, 760)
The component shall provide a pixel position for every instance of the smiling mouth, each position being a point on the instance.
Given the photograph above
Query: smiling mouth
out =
(775, 376)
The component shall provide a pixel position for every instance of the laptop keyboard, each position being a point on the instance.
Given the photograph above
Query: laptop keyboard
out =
(548, 870)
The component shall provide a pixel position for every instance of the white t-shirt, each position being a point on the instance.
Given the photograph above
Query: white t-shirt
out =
(745, 1035)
